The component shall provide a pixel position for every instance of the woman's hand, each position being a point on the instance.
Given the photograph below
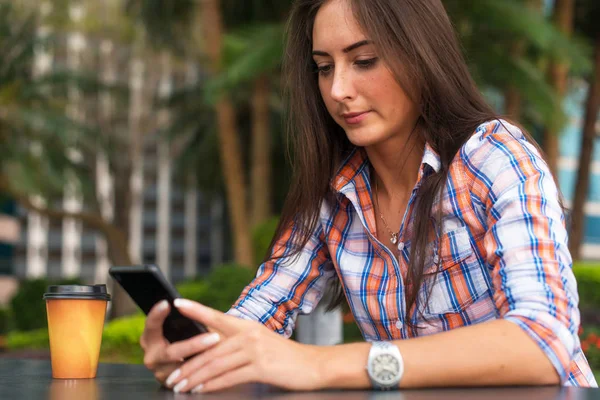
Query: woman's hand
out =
(162, 357)
(247, 352)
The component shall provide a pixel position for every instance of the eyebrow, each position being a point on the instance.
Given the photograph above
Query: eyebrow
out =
(345, 50)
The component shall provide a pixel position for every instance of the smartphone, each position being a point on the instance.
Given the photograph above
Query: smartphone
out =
(146, 285)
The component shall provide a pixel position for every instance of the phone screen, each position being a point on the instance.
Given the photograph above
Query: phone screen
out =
(146, 290)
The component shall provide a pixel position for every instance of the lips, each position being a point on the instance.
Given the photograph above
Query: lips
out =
(355, 117)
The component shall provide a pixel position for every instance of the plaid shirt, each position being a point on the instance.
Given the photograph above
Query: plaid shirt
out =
(503, 252)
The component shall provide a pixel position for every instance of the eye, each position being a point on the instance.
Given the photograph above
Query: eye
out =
(366, 64)
(324, 70)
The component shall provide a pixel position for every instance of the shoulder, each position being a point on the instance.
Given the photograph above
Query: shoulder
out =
(496, 146)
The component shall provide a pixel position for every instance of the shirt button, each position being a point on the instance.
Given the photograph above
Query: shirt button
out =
(399, 324)
(401, 246)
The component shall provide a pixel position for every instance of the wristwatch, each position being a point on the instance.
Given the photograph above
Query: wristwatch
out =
(385, 365)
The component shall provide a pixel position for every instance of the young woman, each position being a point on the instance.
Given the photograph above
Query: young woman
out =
(440, 224)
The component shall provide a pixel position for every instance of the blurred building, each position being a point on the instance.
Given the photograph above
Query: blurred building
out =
(194, 234)
(570, 147)
(177, 228)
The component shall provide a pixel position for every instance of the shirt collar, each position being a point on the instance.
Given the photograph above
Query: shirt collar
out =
(358, 160)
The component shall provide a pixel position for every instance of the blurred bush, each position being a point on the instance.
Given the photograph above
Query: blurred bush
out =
(588, 284)
(262, 235)
(33, 339)
(590, 344)
(220, 288)
(30, 309)
(121, 340)
(5, 320)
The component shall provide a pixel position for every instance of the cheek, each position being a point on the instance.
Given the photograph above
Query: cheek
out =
(324, 90)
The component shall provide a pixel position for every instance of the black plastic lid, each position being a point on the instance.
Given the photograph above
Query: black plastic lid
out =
(81, 292)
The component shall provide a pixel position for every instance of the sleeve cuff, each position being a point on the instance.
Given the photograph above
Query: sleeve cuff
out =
(555, 340)
(272, 322)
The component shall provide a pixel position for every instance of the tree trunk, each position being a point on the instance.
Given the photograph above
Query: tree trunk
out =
(163, 149)
(563, 19)
(73, 200)
(231, 155)
(128, 180)
(512, 97)
(261, 152)
(585, 159)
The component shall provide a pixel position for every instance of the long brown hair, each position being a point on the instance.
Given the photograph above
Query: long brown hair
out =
(416, 40)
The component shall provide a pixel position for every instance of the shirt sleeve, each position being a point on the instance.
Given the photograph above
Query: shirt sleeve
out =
(288, 285)
(526, 242)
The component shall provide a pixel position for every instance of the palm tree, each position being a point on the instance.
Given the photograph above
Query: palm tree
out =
(242, 50)
(503, 42)
(36, 134)
(559, 72)
(512, 96)
(587, 14)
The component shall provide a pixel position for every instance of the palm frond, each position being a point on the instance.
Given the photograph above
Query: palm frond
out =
(249, 53)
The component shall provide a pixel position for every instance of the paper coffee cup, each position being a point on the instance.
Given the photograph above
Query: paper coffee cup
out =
(75, 322)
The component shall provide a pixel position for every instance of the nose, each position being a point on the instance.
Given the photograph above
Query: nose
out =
(342, 87)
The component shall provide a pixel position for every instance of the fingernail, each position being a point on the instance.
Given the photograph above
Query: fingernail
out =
(183, 303)
(198, 388)
(211, 339)
(180, 386)
(174, 375)
(163, 305)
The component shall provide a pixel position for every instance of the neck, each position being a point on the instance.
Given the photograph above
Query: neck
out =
(396, 165)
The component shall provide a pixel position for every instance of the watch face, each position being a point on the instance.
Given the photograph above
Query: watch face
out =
(385, 368)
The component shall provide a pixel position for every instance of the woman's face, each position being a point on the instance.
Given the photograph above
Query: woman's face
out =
(358, 89)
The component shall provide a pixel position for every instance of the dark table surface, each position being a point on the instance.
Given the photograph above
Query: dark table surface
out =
(32, 379)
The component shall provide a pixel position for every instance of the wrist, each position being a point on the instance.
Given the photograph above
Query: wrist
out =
(342, 366)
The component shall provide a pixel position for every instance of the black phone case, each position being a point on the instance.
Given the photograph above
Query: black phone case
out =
(176, 326)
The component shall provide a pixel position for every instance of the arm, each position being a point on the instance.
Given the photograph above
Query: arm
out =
(535, 293)
(492, 353)
(535, 290)
(288, 285)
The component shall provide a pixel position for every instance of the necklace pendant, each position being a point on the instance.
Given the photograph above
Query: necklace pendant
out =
(394, 238)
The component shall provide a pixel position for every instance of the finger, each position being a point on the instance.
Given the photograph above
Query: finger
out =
(212, 370)
(156, 356)
(245, 374)
(219, 366)
(162, 372)
(212, 318)
(153, 329)
(224, 349)
(192, 346)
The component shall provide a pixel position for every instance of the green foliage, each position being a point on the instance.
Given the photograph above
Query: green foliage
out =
(28, 308)
(221, 288)
(35, 339)
(36, 130)
(120, 340)
(248, 53)
(5, 320)
(193, 290)
(489, 31)
(352, 333)
(590, 344)
(588, 285)
(262, 235)
(166, 22)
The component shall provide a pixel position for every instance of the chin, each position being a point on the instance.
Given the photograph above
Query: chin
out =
(364, 137)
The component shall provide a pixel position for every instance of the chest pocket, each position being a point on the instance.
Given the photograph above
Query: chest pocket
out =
(460, 280)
